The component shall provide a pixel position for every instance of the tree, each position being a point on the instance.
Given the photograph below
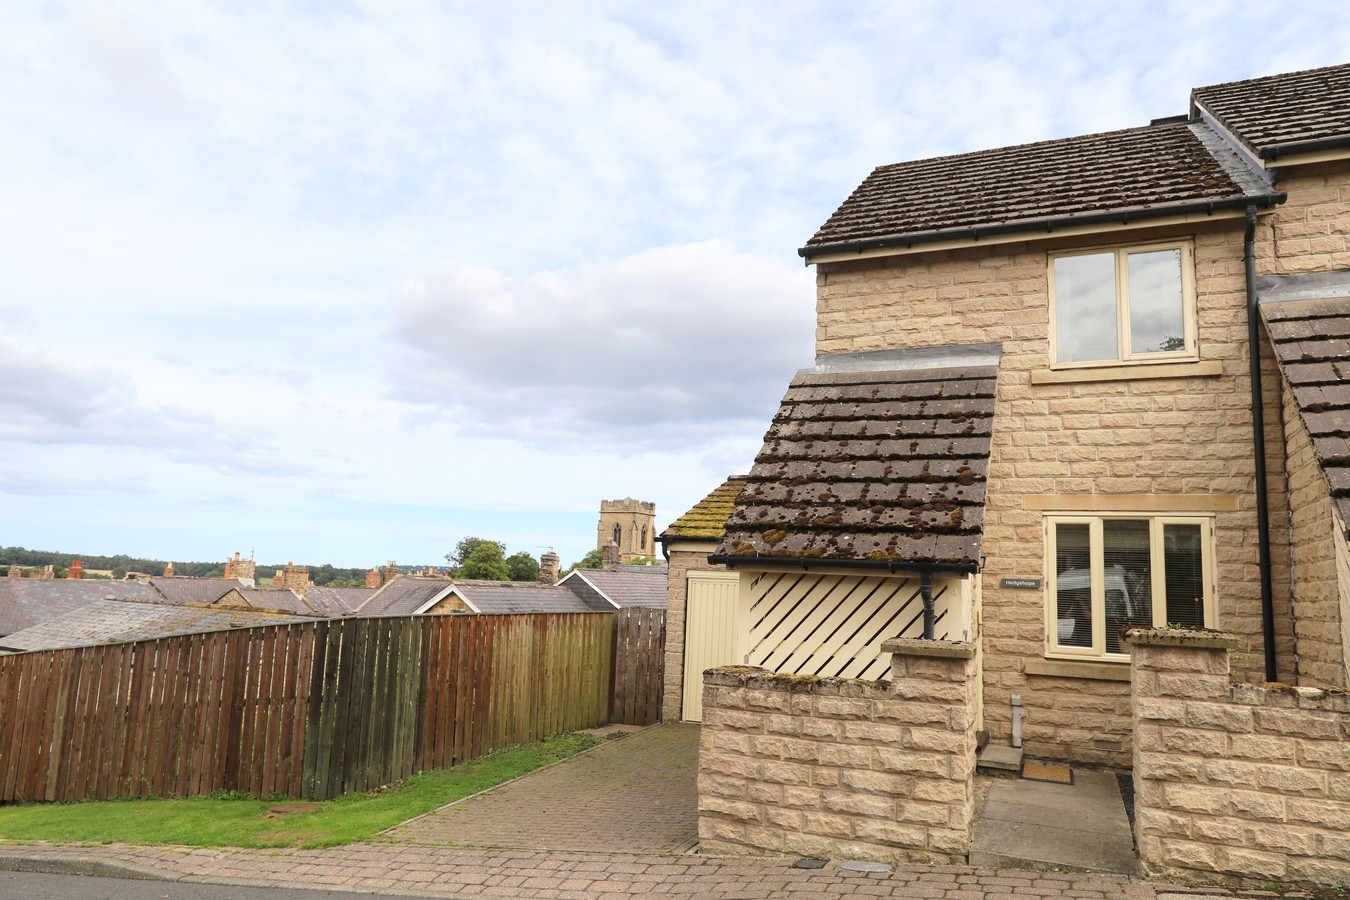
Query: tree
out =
(485, 562)
(592, 560)
(465, 548)
(523, 567)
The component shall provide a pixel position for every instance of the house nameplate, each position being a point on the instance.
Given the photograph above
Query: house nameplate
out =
(1032, 583)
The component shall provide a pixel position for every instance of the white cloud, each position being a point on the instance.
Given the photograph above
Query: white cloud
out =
(672, 347)
(365, 275)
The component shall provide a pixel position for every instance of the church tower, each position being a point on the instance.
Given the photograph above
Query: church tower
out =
(628, 524)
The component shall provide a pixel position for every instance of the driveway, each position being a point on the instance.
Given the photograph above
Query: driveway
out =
(632, 794)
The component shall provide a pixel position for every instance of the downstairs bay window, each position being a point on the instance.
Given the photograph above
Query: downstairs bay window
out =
(1109, 573)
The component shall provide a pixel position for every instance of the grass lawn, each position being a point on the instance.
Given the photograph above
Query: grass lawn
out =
(230, 822)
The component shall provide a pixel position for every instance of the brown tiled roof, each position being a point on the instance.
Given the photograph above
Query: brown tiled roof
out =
(1288, 109)
(1312, 343)
(1135, 172)
(874, 459)
(707, 518)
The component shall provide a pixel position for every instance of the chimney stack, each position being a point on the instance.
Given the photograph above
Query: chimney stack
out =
(548, 567)
(390, 572)
(373, 579)
(14, 572)
(168, 570)
(610, 555)
(76, 570)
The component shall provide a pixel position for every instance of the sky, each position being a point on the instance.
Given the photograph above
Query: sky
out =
(347, 282)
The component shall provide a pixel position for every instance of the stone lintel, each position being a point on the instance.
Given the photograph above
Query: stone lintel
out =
(1196, 639)
(920, 647)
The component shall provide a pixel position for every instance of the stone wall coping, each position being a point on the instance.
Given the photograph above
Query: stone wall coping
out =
(1194, 638)
(754, 676)
(920, 647)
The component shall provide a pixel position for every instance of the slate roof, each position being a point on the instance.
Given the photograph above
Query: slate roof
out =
(511, 597)
(331, 601)
(594, 600)
(194, 590)
(874, 459)
(25, 602)
(115, 621)
(1113, 176)
(402, 596)
(1274, 115)
(707, 518)
(276, 600)
(1311, 335)
(627, 586)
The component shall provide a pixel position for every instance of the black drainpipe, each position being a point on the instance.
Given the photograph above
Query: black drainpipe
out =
(1259, 446)
(926, 592)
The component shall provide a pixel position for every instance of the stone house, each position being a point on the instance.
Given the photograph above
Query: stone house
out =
(1062, 389)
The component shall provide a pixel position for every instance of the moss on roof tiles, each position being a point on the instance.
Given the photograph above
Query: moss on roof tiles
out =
(708, 518)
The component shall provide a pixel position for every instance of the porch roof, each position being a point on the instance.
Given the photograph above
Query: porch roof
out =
(874, 459)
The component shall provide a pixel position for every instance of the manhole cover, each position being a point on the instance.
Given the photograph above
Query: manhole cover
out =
(1034, 771)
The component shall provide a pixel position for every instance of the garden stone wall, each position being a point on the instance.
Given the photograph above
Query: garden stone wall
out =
(1235, 783)
(839, 768)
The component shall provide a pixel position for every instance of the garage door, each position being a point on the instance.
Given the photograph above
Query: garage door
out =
(709, 633)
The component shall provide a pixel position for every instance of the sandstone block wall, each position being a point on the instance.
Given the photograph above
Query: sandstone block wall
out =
(1311, 230)
(841, 769)
(1143, 439)
(1316, 590)
(685, 557)
(1235, 783)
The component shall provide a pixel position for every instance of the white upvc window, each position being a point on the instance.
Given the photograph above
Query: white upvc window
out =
(1107, 573)
(1123, 305)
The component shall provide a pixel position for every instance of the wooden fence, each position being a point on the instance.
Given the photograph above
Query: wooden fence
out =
(639, 661)
(312, 709)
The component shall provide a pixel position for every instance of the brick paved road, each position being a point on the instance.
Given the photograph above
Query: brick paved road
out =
(633, 794)
(442, 872)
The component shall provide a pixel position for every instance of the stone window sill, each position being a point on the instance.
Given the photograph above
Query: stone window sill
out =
(1208, 368)
(1090, 671)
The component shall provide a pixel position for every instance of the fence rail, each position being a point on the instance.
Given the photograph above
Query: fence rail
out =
(314, 709)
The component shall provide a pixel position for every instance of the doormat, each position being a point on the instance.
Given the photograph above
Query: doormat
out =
(1034, 771)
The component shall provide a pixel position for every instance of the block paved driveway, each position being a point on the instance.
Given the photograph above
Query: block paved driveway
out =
(635, 794)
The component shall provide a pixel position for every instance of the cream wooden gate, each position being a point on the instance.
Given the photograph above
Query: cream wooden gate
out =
(709, 633)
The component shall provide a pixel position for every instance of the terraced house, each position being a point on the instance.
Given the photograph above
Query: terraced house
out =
(1064, 388)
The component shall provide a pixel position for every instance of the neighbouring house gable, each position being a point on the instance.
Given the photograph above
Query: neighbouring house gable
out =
(1308, 319)
(875, 458)
(1282, 115)
(1109, 179)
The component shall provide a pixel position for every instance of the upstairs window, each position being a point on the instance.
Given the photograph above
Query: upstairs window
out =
(1109, 573)
(1128, 305)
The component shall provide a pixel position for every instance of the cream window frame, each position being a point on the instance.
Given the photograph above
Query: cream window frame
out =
(1125, 355)
(1097, 568)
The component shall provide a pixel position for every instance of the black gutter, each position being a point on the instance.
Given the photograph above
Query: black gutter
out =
(974, 233)
(805, 564)
(1259, 446)
(1275, 151)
